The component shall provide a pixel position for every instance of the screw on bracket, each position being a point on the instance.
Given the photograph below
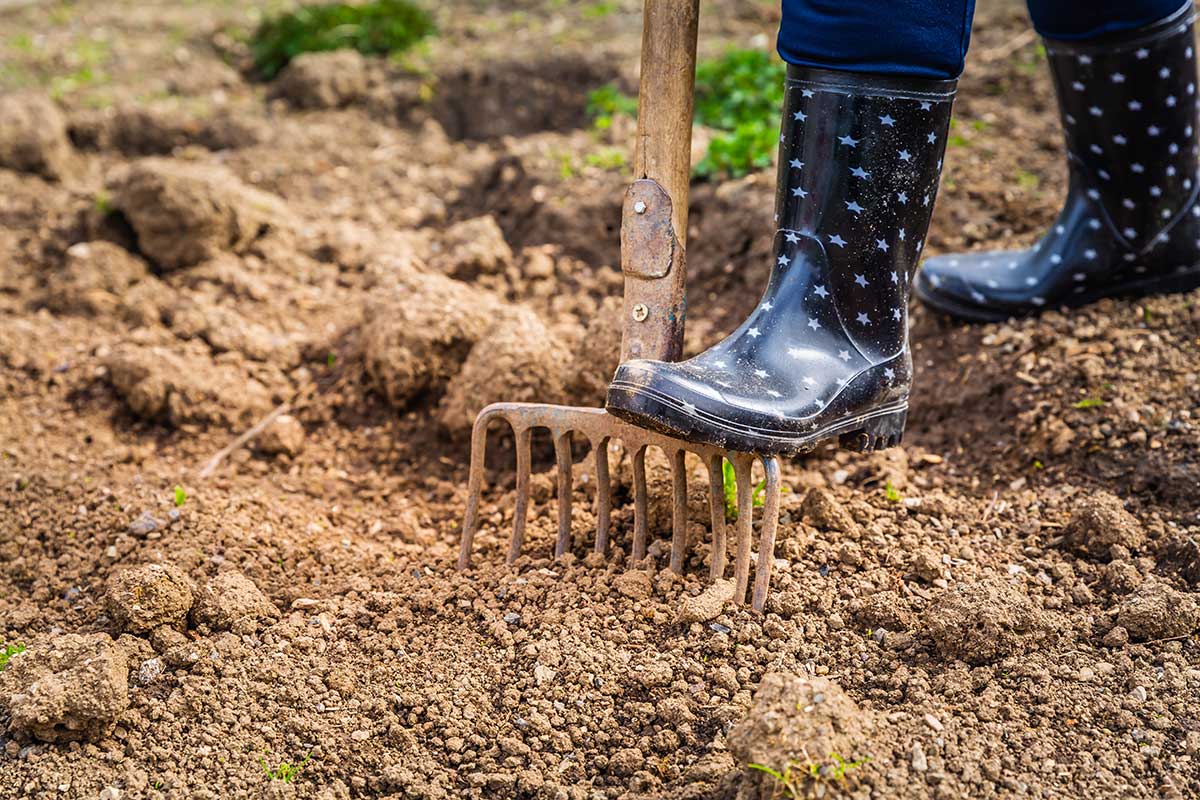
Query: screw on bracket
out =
(640, 312)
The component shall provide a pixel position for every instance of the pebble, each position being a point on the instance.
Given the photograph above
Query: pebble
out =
(144, 525)
(919, 762)
(934, 722)
(1138, 693)
(360, 735)
(512, 618)
(719, 628)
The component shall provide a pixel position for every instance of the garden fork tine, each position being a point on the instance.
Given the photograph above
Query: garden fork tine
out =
(653, 231)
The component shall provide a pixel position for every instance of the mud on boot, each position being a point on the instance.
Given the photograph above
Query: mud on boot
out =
(1131, 222)
(825, 353)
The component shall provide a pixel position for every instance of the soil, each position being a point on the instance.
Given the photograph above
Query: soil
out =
(1006, 606)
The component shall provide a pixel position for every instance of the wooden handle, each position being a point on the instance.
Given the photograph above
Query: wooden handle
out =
(654, 220)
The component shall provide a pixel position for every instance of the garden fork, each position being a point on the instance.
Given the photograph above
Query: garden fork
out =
(653, 233)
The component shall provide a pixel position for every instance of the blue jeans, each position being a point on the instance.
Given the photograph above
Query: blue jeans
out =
(928, 38)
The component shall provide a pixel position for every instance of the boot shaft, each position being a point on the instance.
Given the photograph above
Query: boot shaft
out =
(1128, 105)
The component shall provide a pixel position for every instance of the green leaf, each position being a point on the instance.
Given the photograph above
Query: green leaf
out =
(729, 478)
(180, 496)
(1089, 402)
(891, 493)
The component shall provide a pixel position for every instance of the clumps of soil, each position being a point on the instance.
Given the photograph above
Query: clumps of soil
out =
(1100, 523)
(416, 336)
(471, 248)
(185, 213)
(822, 510)
(141, 599)
(227, 331)
(231, 602)
(323, 80)
(707, 605)
(284, 436)
(33, 135)
(518, 360)
(1157, 611)
(96, 279)
(982, 622)
(71, 687)
(597, 354)
(181, 387)
(140, 130)
(798, 727)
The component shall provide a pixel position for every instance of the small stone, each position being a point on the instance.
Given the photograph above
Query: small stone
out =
(822, 509)
(323, 79)
(144, 525)
(149, 671)
(284, 436)
(707, 605)
(1138, 693)
(919, 762)
(360, 735)
(512, 618)
(934, 722)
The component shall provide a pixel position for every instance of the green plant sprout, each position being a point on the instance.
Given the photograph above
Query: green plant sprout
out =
(378, 27)
(285, 772)
(8, 652)
(180, 496)
(1088, 402)
(892, 493)
(792, 780)
(729, 488)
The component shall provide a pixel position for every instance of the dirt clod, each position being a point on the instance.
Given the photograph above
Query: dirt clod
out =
(285, 435)
(33, 135)
(1157, 611)
(143, 598)
(797, 723)
(231, 601)
(184, 213)
(323, 80)
(1100, 522)
(518, 360)
(72, 687)
(822, 509)
(706, 605)
(981, 622)
(472, 248)
(634, 584)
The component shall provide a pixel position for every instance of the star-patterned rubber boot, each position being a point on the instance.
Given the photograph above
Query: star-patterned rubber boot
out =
(825, 352)
(1131, 223)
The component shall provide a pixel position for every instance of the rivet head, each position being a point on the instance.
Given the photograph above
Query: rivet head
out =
(640, 312)
(639, 207)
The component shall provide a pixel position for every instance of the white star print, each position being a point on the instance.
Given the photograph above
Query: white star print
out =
(812, 323)
(1155, 191)
(809, 380)
(1119, 139)
(889, 374)
(1128, 203)
(838, 240)
(849, 141)
(820, 291)
(1089, 254)
(799, 116)
(1031, 281)
(1055, 259)
(1171, 101)
(863, 319)
(902, 197)
(783, 260)
(895, 276)
(1165, 72)
(977, 297)
(859, 172)
(931, 138)
(861, 280)
(880, 244)
(689, 409)
(900, 233)
(1134, 105)
(1079, 276)
(844, 355)
(773, 393)
(807, 93)
(895, 313)
(1129, 233)
(1142, 53)
(720, 364)
(1118, 77)
(1097, 149)
(905, 155)
(1077, 86)
(796, 163)
(853, 205)
(767, 306)
(795, 352)
(887, 120)
(926, 106)
(1085, 59)
(753, 333)
(762, 373)
(798, 192)
(1153, 130)
(790, 236)
(1096, 111)
(1135, 167)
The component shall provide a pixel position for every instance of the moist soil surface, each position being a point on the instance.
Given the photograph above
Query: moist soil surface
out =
(364, 252)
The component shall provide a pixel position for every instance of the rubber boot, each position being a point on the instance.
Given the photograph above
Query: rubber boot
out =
(825, 352)
(1131, 223)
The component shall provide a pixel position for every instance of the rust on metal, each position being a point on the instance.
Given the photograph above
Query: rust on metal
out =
(653, 260)
(598, 428)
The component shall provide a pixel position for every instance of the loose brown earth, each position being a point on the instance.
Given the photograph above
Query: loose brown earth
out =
(183, 249)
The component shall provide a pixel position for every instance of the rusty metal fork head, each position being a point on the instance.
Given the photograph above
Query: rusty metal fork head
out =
(599, 428)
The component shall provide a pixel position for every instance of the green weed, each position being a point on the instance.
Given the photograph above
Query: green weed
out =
(1088, 402)
(610, 158)
(607, 102)
(729, 487)
(891, 493)
(378, 27)
(739, 94)
(600, 10)
(103, 203)
(793, 780)
(8, 652)
(285, 772)
(180, 496)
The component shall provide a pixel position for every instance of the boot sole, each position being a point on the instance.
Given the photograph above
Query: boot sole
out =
(877, 429)
(1174, 283)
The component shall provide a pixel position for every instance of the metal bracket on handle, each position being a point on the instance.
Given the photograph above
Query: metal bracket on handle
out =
(653, 261)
